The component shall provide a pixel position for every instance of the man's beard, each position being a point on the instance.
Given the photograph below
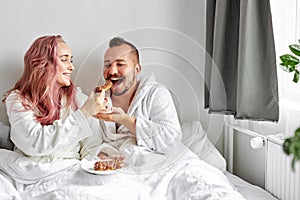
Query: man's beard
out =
(127, 87)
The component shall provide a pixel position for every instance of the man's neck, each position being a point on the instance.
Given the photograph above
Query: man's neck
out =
(123, 101)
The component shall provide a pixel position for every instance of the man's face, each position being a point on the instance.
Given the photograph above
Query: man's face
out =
(120, 66)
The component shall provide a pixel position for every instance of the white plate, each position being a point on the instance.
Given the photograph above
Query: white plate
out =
(88, 166)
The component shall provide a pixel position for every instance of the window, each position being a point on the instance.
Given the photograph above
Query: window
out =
(286, 28)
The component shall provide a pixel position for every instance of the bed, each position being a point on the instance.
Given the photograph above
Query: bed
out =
(192, 169)
(179, 175)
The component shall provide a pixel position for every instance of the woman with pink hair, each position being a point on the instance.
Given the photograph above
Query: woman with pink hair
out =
(49, 117)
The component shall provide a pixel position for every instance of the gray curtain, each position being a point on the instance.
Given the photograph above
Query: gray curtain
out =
(240, 71)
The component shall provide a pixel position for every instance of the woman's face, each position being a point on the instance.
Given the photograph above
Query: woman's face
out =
(64, 64)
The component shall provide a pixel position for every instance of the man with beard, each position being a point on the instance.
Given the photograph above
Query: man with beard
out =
(143, 112)
(143, 125)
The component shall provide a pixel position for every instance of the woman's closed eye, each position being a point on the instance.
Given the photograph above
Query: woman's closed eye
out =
(66, 60)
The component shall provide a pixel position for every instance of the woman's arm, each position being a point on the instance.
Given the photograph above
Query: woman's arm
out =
(36, 140)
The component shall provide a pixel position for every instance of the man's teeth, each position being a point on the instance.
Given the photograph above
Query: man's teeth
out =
(114, 80)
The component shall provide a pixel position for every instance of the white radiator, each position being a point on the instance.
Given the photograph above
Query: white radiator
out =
(280, 180)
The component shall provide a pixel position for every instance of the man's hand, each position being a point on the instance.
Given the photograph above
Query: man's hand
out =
(118, 116)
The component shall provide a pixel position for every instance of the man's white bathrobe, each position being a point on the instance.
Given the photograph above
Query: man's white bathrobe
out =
(159, 159)
(157, 124)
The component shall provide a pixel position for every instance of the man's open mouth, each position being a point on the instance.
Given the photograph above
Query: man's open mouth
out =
(116, 81)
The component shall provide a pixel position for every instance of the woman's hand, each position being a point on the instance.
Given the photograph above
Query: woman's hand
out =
(94, 104)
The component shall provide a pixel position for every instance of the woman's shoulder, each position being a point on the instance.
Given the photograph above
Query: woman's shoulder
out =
(15, 101)
(13, 95)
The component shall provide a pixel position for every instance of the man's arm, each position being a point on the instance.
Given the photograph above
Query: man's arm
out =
(157, 124)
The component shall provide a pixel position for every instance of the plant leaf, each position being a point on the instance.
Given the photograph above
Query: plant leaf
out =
(293, 164)
(287, 68)
(295, 48)
(286, 145)
(289, 59)
(296, 76)
(297, 132)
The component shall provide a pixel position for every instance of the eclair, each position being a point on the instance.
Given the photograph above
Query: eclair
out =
(105, 87)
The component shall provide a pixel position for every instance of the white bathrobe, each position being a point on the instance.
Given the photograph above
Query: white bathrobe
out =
(157, 124)
(47, 143)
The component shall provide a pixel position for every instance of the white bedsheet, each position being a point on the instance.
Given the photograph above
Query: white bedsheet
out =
(249, 191)
(179, 175)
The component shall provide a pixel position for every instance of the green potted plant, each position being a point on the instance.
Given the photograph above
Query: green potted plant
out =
(290, 63)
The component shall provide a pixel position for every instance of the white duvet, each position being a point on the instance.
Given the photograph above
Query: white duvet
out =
(177, 175)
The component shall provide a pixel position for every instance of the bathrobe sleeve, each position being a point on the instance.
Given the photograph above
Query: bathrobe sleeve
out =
(157, 124)
(33, 139)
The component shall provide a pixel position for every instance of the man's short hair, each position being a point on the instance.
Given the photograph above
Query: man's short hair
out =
(118, 41)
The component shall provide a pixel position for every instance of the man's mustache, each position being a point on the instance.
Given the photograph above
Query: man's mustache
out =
(113, 76)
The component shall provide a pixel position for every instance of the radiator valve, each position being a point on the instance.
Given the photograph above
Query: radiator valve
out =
(257, 142)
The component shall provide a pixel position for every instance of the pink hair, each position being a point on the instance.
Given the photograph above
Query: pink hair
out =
(37, 84)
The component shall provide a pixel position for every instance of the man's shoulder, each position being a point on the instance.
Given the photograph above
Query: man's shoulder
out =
(151, 83)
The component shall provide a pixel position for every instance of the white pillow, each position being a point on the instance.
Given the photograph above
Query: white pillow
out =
(5, 142)
(194, 137)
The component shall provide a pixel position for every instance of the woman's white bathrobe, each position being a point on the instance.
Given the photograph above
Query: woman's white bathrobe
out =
(47, 143)
(157, 124)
